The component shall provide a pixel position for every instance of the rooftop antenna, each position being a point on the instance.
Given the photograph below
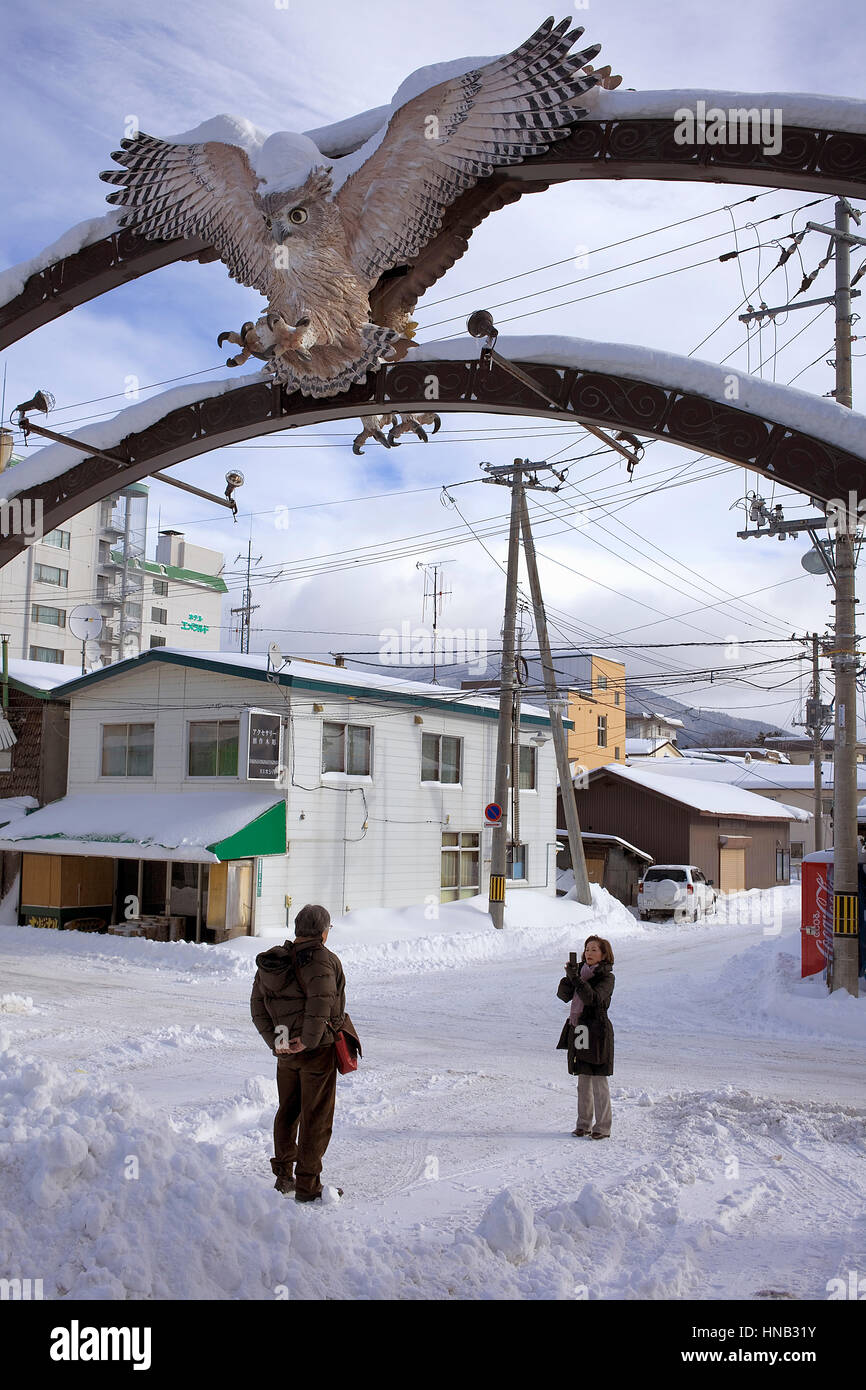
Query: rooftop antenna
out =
(434, 598)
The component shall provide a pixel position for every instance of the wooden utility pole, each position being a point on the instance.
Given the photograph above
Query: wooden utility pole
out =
(845, 965)
(817, 746)
(515, 477)
(560, 742)
(507, 682)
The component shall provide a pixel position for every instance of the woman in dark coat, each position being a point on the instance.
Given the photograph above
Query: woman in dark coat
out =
(588, 1034)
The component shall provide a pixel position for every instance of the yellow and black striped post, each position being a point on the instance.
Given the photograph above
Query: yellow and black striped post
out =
(497, 888)
(845, 914)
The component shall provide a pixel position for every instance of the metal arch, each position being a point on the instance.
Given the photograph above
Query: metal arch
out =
(810, 159)
(785, 454)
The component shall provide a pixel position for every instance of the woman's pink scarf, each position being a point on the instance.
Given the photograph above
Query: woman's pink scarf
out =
(586, 972)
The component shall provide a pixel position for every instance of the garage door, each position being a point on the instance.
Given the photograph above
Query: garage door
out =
(732, 870)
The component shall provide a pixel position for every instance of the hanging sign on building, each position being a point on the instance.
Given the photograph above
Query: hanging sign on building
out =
(263, 746)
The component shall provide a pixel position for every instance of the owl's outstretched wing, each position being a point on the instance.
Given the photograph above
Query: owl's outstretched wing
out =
(445, 140)
(207, 191)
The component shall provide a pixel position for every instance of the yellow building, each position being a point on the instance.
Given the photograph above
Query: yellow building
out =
(598, 714)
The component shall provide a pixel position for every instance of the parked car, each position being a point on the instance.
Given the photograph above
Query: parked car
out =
(675, 890)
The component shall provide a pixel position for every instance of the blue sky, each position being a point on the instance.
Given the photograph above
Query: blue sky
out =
(75, 72)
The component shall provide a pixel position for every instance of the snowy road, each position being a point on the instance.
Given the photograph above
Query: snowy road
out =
(736, 1163)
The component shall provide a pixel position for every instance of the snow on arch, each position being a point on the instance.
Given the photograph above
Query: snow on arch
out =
(822, 420)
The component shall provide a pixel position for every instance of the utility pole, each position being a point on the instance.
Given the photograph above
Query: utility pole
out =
(247, 607)
(817, 746)
(843, 968)
(845, 965)
(554, 705)
(507, 681)
(519, 682)
(519, 476)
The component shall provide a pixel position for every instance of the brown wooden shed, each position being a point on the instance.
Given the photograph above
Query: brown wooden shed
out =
(739, 840)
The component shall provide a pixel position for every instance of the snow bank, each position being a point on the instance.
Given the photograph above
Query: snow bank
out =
(761, 992)
(440, 937)
(102, 1199)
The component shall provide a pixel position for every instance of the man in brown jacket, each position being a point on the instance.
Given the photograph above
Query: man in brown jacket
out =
(298, 1004)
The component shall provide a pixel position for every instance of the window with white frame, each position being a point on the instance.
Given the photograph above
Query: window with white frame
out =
(160, 586)
(159, 615)
(441, 758)
(347, 748)
(460, 865)
(601, 682)
(602, 731)
(213, 748)
(127, 750)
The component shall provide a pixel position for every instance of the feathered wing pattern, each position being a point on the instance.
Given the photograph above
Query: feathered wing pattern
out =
(331, 370)
(450, 136)
(208, 191)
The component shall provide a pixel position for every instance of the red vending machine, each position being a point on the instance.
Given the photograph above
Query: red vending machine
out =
(816, 919)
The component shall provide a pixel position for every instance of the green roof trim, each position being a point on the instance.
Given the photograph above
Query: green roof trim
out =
(356, 692)
(212, 581)
(264, 835)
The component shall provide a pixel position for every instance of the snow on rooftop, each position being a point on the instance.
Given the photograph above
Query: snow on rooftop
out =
(709, 797)
(151, 823)
(41, 675)
(760, 776)
(304, 670)
(643, 747)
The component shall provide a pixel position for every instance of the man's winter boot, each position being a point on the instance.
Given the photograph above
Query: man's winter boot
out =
(285, 1182)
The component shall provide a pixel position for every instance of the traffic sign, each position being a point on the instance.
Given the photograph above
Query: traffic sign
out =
(493, 813)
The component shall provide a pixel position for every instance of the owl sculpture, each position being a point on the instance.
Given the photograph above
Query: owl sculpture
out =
(317, 248)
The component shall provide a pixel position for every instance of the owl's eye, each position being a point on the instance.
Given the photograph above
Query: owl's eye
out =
(298, 215)
(268, 223)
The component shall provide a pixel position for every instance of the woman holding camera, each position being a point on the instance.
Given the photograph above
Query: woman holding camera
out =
(588, 1034)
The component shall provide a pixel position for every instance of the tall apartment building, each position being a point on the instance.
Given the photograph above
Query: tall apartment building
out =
(98, 557)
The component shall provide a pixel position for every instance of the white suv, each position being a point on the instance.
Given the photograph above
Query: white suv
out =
(675, 890)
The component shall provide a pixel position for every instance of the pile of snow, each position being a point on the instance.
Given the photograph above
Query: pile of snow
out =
(101, 1199)
(761, 992)
(445, 936)
(17, 1004)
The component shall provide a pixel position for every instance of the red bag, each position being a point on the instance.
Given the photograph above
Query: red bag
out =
(347, 1054)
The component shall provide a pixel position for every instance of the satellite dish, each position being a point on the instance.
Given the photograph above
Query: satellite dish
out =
(85, 622)
(92, 649)
(275, 656)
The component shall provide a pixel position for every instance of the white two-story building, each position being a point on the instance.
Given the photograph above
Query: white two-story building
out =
(212, 792)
